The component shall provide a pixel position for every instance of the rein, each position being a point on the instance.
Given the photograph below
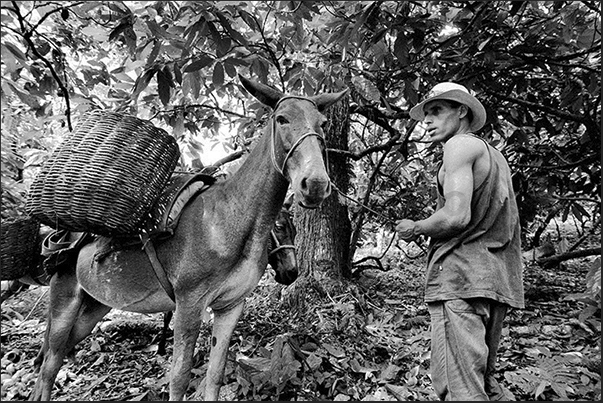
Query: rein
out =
(281, 169)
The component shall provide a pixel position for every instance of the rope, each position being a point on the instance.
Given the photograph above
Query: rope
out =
(386, 218)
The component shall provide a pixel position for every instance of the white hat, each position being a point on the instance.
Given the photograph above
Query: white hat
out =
(453, 92)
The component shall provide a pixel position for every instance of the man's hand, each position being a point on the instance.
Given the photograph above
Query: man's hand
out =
(407, 229)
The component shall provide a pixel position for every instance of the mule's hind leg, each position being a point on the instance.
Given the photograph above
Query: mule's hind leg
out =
(167, 317)
(42, 352)
(72, 316)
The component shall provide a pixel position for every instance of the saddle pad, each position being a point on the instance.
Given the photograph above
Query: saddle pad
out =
(60, 249)
(163, 217)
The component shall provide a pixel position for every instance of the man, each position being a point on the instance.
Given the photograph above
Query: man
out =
(474, 271)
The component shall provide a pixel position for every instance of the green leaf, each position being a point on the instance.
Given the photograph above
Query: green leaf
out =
(233, 33)
(399, 392)
(154, 53)
(586, 39)
(163, 86)
(313, 361)
(229, 67)
(195, 84)
(366, 88)
(540, 389)
(401, 49)
(25, 96)
(142, 82)
(177, 73)
(15, 51)
(334, 351)
(223, 46)
(218, 75)
(202, 61)
(249, 20)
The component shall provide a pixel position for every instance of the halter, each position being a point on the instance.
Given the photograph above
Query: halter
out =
(277, 244)
(281, 170)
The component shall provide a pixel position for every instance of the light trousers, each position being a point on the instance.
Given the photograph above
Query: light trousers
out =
(465, 334)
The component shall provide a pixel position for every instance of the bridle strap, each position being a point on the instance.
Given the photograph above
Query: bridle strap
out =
(282, 168)
(277, 245)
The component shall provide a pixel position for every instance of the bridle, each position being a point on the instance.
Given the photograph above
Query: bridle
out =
(275, 245)
(281, 169)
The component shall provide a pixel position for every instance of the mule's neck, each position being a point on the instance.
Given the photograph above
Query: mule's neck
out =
(259, 187)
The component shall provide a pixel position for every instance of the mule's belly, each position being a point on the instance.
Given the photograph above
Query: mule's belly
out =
(122, 280)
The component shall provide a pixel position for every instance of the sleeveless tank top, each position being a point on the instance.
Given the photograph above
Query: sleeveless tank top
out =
(484, 260)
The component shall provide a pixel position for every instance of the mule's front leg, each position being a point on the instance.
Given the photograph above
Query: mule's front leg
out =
(187, 324)
(224, 325)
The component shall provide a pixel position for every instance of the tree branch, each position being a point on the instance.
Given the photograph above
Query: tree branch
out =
(570, 255)
(543, 108)
(185, 107)
(585, 236)
(374, 115)
(229, 158)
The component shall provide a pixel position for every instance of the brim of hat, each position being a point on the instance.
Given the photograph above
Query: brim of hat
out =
(479, 112)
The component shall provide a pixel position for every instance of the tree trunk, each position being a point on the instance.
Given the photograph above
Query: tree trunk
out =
(323, 235)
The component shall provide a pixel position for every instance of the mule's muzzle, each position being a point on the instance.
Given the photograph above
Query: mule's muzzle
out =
(313, 193)
(286, 277)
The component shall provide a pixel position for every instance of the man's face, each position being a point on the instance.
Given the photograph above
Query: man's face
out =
(442, 120)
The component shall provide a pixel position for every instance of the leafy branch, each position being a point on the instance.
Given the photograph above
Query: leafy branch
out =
(27, 36)
(547, 109)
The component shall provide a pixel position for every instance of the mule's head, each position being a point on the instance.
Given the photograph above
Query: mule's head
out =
(298, 140)
(281, 254)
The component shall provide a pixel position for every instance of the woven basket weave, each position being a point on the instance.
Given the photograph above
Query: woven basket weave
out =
(104, 176)
(19, 246)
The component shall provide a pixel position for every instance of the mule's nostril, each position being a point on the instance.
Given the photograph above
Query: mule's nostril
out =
(304, 184)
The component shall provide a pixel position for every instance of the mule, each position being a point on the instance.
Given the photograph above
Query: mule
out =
(215, 257)
(281, 258)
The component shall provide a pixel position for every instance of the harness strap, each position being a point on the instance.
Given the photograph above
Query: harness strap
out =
(159, 271)
(149, 248)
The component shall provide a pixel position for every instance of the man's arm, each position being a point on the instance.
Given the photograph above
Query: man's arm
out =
(460, 153)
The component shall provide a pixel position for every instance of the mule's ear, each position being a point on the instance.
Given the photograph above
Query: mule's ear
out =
(323, 101)
(288, 201)
(263, 93)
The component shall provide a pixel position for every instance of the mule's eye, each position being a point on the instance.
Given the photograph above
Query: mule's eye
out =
(279, 226)
(281, 120)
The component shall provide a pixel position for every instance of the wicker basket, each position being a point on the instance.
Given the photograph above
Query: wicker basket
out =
(104, 176)
(19, 247)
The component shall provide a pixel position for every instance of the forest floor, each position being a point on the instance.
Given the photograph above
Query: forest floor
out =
(366, 339)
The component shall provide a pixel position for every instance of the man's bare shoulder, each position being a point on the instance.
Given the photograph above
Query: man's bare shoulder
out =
(465, 146)
(465, 140)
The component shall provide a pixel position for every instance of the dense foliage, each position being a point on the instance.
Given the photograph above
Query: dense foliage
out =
(536, 66)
